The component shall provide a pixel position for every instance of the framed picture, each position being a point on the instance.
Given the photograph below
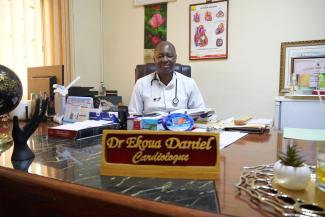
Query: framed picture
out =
(150, 2)
(291, 50)
(309, 74)
(209, 30)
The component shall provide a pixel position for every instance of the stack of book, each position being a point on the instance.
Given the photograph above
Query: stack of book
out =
(81, 130)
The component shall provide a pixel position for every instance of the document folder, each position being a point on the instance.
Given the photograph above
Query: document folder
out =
(247, 128)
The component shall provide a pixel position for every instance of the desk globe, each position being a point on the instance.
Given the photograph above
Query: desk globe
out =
(11, 92)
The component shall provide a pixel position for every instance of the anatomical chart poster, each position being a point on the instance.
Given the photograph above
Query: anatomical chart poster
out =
(209, 30)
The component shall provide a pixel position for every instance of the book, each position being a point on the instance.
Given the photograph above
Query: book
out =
(81, 130)
(247, 128)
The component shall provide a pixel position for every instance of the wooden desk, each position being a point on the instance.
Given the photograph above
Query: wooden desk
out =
(69, 197)
(252, 150)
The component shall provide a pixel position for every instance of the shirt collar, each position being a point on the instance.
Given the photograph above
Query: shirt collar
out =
(171, 83)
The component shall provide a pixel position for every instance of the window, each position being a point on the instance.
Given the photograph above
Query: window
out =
(21, 36)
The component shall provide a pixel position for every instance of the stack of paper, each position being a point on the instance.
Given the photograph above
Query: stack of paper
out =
(80, 130)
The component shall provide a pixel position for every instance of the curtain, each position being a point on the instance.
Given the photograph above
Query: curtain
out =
(21, 36)
(56, 34)
(35, 33)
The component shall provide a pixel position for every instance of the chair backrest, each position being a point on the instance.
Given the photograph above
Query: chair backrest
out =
(146, 69)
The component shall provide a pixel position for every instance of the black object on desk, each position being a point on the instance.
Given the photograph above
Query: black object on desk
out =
(123, 114)
(22, 165)
(243, 129)
(111, 92)
(21, 151)
(82, 91)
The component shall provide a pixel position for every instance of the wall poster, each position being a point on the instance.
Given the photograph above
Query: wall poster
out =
(155, 28)
(209, 30)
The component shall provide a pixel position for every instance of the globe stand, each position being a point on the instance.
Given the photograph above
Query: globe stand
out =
(22, 152)
(22, 165)
(21, 134)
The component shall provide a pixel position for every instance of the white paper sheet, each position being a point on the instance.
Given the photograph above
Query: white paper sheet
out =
(226, 137)
(229, 137)
(266, 121)
(82, 125)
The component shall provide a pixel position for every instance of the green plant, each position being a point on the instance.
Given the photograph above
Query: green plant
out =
(291, 157)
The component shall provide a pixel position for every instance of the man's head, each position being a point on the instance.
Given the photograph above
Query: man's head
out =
(165, 57)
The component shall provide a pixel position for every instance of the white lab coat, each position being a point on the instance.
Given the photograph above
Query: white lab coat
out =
(151, 95)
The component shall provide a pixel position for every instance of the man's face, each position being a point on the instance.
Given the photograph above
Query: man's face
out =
(165, 58)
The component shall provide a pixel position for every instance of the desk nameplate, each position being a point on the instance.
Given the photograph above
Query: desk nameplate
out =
(161, 154)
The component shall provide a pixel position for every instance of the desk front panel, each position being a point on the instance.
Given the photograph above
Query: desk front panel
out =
(79, 163)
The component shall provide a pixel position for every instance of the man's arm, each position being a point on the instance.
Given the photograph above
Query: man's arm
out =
(136, 102)
(195, 100)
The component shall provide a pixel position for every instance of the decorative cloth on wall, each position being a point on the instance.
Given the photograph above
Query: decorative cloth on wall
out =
(155, 28)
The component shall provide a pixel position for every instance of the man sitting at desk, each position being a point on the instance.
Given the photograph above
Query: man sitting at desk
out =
(165, 90)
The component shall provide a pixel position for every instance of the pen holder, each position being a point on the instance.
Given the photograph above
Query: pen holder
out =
(123, 114)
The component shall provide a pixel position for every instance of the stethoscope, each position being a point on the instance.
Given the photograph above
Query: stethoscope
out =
(175, 100)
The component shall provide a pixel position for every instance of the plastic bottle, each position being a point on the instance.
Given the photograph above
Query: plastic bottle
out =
(59, 103)
(293, 84)
(102, 89)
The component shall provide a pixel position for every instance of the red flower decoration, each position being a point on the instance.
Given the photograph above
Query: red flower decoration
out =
(156, 21)
(155, 40)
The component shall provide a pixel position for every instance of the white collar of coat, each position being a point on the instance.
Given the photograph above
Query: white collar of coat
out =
(171, 83)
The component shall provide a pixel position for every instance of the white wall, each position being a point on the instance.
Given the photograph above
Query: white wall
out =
(245, 83)
(86, 42)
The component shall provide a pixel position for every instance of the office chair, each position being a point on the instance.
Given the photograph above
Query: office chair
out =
(145, 69)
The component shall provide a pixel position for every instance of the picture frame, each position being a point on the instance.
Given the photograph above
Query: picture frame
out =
(309, 74)
(296, 49)
(150, 2)
(208, 36)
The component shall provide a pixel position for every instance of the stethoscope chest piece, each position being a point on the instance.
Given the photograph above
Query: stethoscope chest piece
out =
(175, 101)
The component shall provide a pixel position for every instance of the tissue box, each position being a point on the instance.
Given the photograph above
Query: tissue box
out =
(149, 123)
